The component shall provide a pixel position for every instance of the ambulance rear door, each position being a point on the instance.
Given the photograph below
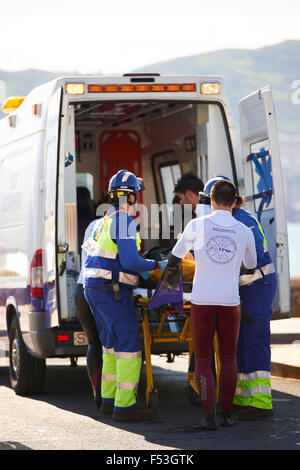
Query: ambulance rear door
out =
(263, 184)
(50, 207)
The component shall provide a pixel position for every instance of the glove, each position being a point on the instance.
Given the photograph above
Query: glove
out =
(164, 264)
(145, 275)
(171, 278)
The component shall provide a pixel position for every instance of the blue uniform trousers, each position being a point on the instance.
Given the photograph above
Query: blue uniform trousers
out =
(118, 330)
(254, 352)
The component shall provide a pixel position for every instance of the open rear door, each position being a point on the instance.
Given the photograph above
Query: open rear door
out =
(264, 184)
(50, 212)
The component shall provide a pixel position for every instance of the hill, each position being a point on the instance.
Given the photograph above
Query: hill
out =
(243, 70)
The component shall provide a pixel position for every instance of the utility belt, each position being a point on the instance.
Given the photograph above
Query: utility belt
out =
(260, 273)
(113, 287)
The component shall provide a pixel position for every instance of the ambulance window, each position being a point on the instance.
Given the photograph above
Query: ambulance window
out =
(262, 173)
(169, 175)
(86, 180)
(87, 142)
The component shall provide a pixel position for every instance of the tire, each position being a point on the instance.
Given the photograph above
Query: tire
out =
(27, 373)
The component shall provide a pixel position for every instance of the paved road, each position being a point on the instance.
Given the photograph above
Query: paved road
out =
(64, 417)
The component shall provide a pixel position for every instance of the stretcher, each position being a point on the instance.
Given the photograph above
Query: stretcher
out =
(164, 330)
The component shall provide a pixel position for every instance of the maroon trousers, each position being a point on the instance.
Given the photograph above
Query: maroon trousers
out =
(205, 320)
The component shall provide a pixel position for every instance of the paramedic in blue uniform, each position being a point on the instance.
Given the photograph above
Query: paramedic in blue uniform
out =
(110, 274)
(94, 352)
(253, 395)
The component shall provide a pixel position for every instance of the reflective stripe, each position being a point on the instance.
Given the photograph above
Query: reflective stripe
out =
(108, 351)
(109, 377)
(128, 278)
(127, 385)
(252, 391)
(258, 374)
(247, 279)
(128, 355)
(97, 273)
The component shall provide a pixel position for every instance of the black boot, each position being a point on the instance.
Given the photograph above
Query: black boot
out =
(227, 419)
(209, 423)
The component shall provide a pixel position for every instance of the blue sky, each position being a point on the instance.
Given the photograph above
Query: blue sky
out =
(115, 36)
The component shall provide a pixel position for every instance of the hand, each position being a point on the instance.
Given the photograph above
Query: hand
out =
(158, 265)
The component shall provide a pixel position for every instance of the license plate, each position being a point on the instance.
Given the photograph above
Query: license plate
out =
(79, 338)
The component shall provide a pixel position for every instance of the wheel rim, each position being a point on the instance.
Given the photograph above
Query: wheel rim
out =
(15, 356)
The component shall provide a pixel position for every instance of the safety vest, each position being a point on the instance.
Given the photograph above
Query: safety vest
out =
(102, 254)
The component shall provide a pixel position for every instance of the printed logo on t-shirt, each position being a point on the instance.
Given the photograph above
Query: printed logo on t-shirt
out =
(221, 249)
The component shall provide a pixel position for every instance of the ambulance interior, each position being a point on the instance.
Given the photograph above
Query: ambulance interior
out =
(158, 141)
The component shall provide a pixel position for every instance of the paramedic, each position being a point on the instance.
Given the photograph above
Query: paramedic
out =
(110, 273)
(253, 396)
(94, 352)
(187, 189)
(220, 244)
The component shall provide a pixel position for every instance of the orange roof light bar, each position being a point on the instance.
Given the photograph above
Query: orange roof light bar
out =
(143, 88)
(127, 88)
(111, 88)
(158, 88)
(95, 88)
(189, 87)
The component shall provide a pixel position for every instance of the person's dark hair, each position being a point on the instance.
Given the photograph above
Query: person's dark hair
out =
(189, 181)
(224, 193)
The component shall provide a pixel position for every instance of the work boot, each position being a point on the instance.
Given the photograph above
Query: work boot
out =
(97, 398)
(253, 414)
(227, 419)
(107, 408)
(210, 423)
(134, 415)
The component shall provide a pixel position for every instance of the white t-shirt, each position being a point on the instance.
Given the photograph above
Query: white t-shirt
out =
(202, 209)
(220, 243)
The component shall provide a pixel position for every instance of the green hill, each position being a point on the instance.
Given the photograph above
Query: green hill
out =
(243, 70)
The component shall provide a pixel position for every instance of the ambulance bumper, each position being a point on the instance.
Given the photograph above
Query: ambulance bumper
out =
(63, 341)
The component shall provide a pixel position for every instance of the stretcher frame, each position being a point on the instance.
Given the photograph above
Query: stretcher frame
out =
(142, 299)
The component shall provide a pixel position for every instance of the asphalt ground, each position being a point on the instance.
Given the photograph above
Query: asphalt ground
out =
(64, 417)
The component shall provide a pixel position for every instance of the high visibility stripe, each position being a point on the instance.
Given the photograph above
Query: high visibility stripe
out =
(97, 273)
(127, 385)
(128, 355)
(252, 391)
(247, 279)
(108, 351)
(254, 375)
(109, 377)
(127, 278)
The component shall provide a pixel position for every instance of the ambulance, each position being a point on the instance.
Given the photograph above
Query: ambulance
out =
(59, 147)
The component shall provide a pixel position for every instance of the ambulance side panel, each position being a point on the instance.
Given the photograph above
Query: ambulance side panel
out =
(20, 226)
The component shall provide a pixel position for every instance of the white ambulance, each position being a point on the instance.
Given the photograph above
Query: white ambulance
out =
(71, 135)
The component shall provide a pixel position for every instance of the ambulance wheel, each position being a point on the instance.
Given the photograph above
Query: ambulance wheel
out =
(27, 373)
(193, 396)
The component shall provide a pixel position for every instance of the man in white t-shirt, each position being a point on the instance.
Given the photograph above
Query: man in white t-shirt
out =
(221, 245)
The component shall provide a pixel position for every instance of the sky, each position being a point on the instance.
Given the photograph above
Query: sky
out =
(117, 36)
